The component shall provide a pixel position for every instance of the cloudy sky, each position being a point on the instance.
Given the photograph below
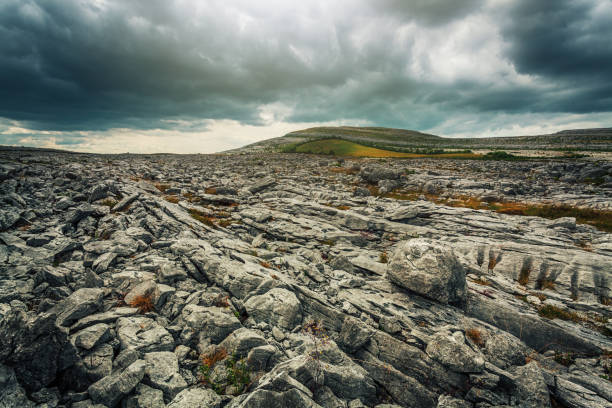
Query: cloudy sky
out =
(204, 76)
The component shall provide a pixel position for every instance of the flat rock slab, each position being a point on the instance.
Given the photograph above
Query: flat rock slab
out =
(143, 334)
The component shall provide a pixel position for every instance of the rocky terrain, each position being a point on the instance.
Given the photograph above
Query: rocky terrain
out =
(281, 281)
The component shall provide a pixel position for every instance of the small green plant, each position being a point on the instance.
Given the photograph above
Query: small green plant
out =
(320, 339)
(238, 373)
(566, 359)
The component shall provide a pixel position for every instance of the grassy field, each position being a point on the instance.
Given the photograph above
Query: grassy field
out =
(340, 147)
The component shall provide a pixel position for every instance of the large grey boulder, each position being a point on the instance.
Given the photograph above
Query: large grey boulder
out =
(354, 334)
(91, 336)
(262, 185)
(112, 388)
(446, 401)
(451, 351)
(143, 334)
(374, 174)
(196, 398)
(34, 345)
(428, 268)
(11, 393)
(241, 341)
(532, 391)
(79, 304)
(278, 307)
(201, 322)
(162, 372)
(146, 397)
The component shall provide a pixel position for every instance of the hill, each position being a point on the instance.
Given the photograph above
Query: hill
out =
(391, 139)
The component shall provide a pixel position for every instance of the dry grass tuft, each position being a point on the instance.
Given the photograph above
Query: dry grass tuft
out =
(162, 187)
(222, 301)
(171, 199)
(265, 264)
(482, 282)
(209, 360)
(109, 202)
(383, 257)
(526, 270)
(144, 303)
(554, 312)
(203, 218)
(210, 190)
(476, 336)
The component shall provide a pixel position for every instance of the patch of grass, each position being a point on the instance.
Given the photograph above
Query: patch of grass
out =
(600, 219)
(171, 199)
(189, 196)
(482, 282)
(328, 242)
(203, 218)
(476, 336)
(500, 155)
(162, 187)
(225, 222)
(144, 303)
(340, 147)
(554, 312)
(109, 202)
(338, 207)
(238, 373)
(383, 257)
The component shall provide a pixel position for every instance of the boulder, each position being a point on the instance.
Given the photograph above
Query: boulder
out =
(202, 322)
(451, 351)
(278, 307)
(241, 341)
(532, 391)
(374, 174)
(196, 398)
(143, 334)
(79, 304)
(11, 393)
(162, 373)
(428, 268)
(112, 388)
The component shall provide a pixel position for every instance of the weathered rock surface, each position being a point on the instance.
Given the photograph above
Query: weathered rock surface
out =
(426, 267)
(158, 281)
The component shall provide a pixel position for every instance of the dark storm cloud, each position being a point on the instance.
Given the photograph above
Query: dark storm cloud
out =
(75, 65)
(568, 39)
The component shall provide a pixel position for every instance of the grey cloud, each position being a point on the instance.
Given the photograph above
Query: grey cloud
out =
(71, 65)
(430, 12)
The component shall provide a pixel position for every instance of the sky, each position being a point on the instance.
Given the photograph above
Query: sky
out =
(197, 76)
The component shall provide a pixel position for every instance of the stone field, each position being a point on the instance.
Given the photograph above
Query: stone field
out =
(280, 280)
